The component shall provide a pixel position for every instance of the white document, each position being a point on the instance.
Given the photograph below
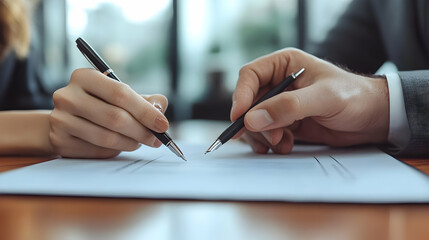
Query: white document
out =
(233, 172)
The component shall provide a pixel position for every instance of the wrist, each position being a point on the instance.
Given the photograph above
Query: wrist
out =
(379, 95)
(25, 133)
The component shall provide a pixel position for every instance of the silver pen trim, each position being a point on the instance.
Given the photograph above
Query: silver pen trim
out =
(214, 146)
(295, 75)
(108, 71)
(175, 149)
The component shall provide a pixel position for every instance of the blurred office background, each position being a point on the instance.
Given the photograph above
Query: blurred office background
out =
(189, 50)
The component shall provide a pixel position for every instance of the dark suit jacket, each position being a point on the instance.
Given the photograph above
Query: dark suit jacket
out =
(20, 85)
(372, 32)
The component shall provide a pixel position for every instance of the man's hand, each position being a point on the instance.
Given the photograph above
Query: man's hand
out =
(325, 104)
(97, 117)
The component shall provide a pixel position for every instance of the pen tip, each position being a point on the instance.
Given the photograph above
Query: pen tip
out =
(184, 159)
(214, 146)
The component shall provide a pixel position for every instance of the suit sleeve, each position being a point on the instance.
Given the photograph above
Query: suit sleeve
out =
(355, 42)
(415, 86)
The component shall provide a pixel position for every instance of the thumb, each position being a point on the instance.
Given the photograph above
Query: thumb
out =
(284, 109)
(159, 101)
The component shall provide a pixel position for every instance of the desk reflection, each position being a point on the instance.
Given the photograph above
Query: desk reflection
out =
(64, 218)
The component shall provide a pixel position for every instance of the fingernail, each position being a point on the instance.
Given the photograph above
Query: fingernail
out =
(161, 124)
(259, 119)
(158, 106)
(267, 135)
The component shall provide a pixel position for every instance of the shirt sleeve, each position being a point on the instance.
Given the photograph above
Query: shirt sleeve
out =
(399, 131)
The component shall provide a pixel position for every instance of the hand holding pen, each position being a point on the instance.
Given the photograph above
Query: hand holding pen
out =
(324, 105)
(98, 63)
(238, 124)
(96, 117)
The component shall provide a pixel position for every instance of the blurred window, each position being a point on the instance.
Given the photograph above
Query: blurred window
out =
(131, 35)
(217, 37)
(214, 39)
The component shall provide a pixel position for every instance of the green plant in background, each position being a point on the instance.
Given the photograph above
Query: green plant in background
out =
(146, 59)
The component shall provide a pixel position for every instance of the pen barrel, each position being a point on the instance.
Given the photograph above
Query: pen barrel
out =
(163, 137)
(274, 91)
(96, 61)
(233, 129)
(113, 76)
(238, 124)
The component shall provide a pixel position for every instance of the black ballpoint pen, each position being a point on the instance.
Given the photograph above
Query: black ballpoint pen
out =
(98, 63)
(238, 124)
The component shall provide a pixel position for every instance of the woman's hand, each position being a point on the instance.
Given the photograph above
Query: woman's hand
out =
(97, 117)
(325, 104)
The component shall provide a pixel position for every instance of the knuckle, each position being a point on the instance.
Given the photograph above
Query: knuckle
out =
(120, 94)
(287, 103)
(64, 100)
(143, 118)
(294, 103)
(291, 51)
(76, 75)
(55, 119)
(244, 69)
(341, 97)
(116, 118)
(58, 97)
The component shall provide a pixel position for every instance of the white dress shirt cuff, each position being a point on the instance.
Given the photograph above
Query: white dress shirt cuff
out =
(399, 131)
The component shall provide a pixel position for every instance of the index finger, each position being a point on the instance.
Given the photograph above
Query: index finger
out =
(120, 95)
(267, 70)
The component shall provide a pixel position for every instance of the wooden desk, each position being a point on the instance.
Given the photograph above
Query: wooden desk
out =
(37, 217)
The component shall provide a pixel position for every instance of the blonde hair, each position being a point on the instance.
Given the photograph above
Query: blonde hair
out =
(14, 27)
